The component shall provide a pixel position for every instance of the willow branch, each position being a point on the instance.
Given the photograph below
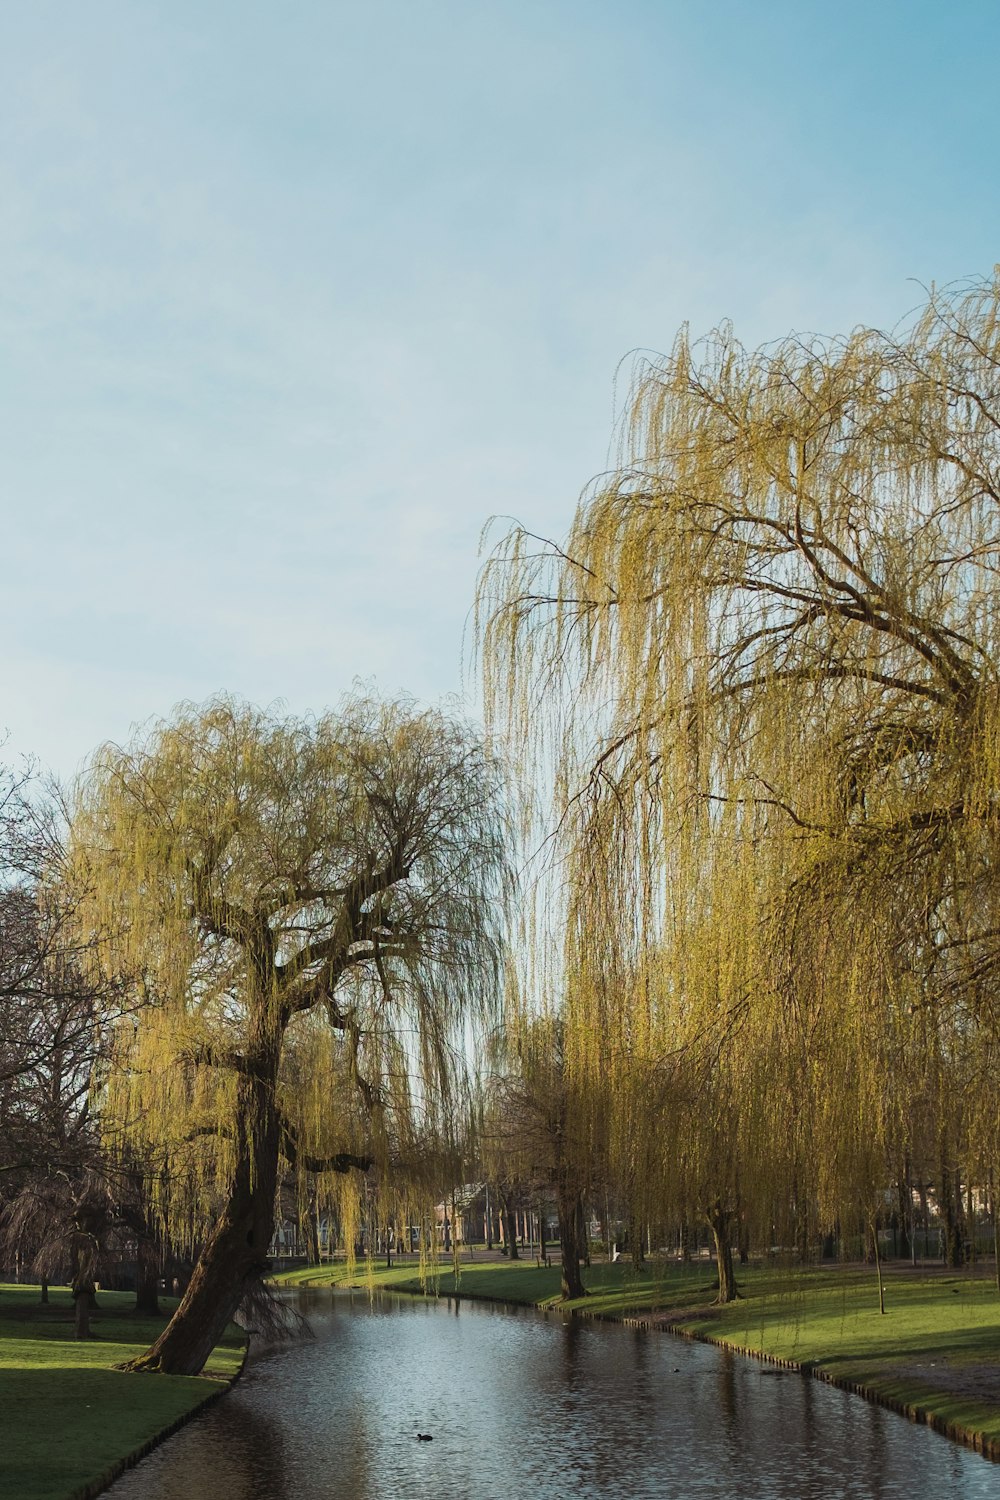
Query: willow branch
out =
(341, 1161)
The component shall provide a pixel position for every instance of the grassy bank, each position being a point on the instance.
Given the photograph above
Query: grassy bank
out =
(934, 1354)
(68, 1418)
(613, 1289)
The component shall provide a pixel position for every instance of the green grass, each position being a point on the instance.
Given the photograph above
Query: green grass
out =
(612, 1289)
(936, 1348)
(67, 1416)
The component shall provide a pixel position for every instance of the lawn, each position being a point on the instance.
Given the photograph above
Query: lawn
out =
(613, 1289)
(936, 1350)
(67, 1416)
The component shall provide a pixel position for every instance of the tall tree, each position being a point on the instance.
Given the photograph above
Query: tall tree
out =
(330, 882)
(776, 628)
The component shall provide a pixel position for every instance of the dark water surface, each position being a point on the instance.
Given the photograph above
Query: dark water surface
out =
(524, 1405)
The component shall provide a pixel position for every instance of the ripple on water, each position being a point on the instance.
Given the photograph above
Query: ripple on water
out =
(524, 1404)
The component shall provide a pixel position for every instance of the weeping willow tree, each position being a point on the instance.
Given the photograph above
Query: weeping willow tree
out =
(774, 631)
(682, 1050)
(541, 1131)
(311, 910)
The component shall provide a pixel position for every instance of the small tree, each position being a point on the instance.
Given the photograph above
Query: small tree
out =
(539, 1126)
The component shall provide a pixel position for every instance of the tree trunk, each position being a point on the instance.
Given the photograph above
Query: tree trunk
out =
(953, 1248)
(742, 1231)
(635, 1243)
(310, 1228)
(235, 1255)
(510, 1233)
(569, 1207)
(878, 1266)
(583, 1234)
(719, 1221)
(147, 1273)
(507, 1224)
(83, 1298)
(800, 1223)
(83, 1255)
(905, 1209)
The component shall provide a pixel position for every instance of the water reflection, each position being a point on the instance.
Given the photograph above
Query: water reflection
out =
(521, 1403)
(727, 1395)
(225, 1470)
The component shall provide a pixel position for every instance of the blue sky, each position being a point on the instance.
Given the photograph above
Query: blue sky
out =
(292, 298)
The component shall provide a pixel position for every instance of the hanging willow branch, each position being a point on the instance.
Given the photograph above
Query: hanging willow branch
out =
(764, 668)
(315, 910)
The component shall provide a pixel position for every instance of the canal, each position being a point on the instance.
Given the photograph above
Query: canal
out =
(528, 1405)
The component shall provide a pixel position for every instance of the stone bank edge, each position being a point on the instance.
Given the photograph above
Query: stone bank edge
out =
(220, 1388)
(969, 1437)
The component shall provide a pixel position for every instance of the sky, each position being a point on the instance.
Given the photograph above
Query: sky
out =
(294, 298)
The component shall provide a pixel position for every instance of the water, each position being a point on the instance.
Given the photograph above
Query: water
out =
(522, 1404)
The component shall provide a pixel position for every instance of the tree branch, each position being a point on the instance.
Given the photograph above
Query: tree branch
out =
(342, 1161)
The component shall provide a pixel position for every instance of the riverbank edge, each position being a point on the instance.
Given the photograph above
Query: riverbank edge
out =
(95, 1487)
(921, 1416)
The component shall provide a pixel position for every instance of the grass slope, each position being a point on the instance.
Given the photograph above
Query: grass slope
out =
(935, 1352)
(67, 1417)
(613, 1289)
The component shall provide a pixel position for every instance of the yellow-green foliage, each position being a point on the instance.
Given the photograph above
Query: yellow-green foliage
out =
(315, 901)
(762, 676)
